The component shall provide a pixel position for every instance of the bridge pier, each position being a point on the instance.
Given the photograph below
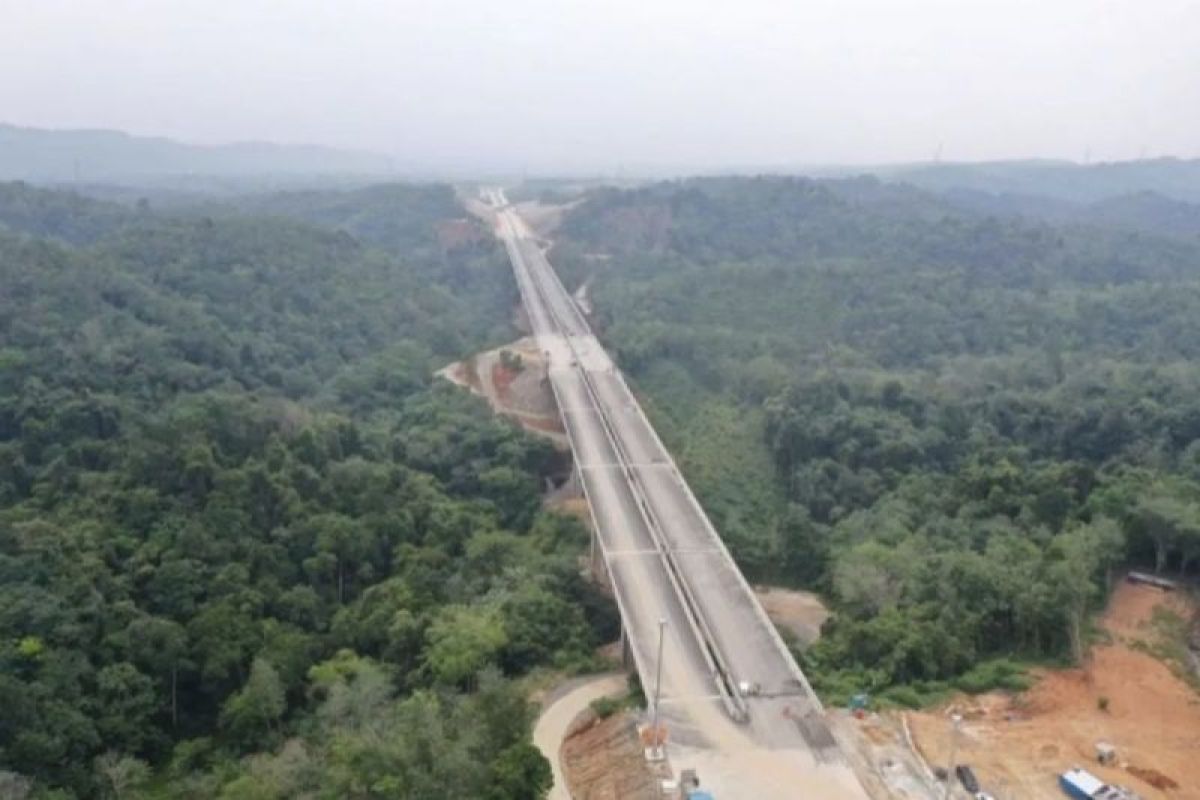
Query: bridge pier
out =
(597, 568)
(596, 563)
(573, 485)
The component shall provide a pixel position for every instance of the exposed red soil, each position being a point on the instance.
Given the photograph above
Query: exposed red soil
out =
(603, 760)
(1122, 695)
(502, 379)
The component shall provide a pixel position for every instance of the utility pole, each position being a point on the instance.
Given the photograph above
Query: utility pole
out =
(662, 626)
(956, 722)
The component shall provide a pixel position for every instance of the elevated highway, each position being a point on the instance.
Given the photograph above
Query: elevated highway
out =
(729, 684)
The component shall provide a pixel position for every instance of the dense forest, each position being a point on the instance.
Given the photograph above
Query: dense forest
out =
(248, 547)
(954, 424)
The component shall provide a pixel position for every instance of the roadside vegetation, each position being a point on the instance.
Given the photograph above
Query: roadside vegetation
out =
(248, 549)
(1171, 641)
(955, 426)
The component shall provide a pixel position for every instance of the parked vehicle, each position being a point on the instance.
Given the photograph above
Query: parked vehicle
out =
(1083, 785)
(966, 776)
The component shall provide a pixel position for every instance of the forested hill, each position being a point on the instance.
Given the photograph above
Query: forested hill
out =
(67, 216)
(247, 301)
(1140, 211)
(844, 262)
(248, 547)
(953, 424)
(1176, 178)
(869, 221)
(393, 216)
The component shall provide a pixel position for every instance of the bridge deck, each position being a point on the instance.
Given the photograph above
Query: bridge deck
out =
(664, 556)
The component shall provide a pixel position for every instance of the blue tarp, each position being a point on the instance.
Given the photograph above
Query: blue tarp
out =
(700, 794)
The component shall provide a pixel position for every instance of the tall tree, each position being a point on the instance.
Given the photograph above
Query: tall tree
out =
(255, 710)
(160, 646)
(1084, 554)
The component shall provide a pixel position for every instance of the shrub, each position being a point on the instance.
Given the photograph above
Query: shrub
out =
(997, 674)
(605, 707)
(906, 696)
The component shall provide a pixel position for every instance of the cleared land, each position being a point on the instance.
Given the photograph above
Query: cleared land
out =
(603, 760)
(519, 392)
(1126, 695)
(798, 612)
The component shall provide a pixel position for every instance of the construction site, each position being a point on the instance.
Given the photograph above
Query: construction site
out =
(1124, 724)
(1130, 717)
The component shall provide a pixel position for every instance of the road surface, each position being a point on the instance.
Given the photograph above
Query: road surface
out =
(732, 695)
(556, 718)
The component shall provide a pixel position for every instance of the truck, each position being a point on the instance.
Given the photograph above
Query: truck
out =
(1083, 785)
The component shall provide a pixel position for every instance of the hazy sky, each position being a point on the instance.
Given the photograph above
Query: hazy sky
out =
(556, 84)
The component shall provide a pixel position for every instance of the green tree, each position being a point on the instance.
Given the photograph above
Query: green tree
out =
(126, 702)
(538, 625)
(255, 710)
(356, 692)
(520, 772)
(874, 577)
(120, 775)
(1079, 573)
(342, 544)
(1172, 522)
(462, 641)
(160, 646)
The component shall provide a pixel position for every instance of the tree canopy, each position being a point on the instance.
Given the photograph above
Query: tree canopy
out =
(249, 547)
(951, 423)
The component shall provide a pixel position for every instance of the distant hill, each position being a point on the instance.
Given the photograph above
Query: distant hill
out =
(66, 216)
(1063, 180)
(1142, 211)
(1148, 211)
(39, 155)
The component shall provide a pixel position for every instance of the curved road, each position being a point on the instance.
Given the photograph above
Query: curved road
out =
(552, 724)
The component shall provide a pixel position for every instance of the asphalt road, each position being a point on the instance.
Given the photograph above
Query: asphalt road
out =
(665, 559)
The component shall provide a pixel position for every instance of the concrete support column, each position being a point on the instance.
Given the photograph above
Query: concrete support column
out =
(596, 560)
